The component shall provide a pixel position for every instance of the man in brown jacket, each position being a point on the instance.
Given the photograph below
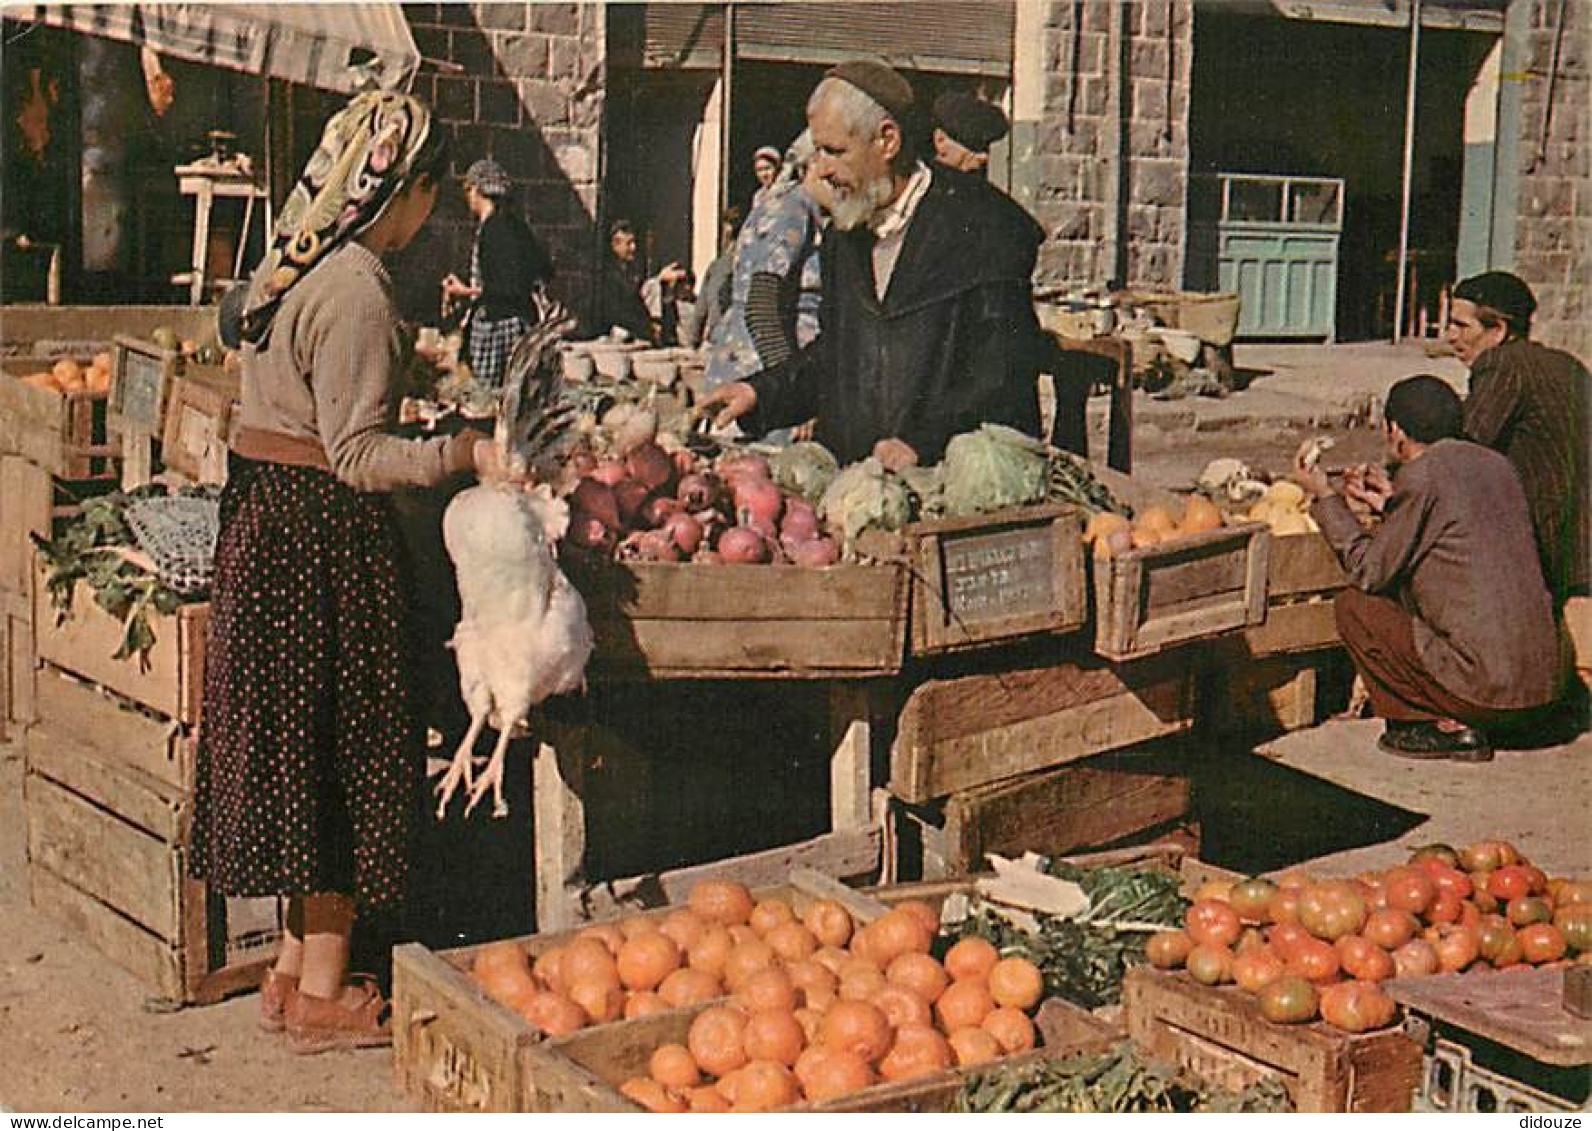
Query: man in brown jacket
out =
(1446, 617)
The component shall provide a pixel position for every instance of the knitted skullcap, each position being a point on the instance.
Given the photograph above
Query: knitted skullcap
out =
(879, 82)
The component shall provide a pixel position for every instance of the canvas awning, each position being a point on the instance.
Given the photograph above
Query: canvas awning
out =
(341, 47)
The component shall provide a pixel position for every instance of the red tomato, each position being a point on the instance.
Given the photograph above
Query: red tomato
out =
(1445, 908)
(1356, 1007)
(1390, 929)
(1525, 910)
(1251, 898)
(1211, 922)
(1410, 889)
(1363, 959)
(1497, 942)
(1289, 1000)
(1314, 960)
(1415, 959)
(1256, 969)
(1451, 881)
(1574, 921)
(1510, 883)
(1541, 942)
(1285, 936)
(1332, 909)
(1284, 906)
(1457, 948)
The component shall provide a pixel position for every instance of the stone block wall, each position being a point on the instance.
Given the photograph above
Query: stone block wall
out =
(530, 94)
(1111, 146)
(1553, 229)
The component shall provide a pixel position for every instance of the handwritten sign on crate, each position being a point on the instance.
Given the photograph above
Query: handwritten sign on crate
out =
(140, 382)
(989, 578)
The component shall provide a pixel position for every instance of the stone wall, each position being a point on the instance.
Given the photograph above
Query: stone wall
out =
(1553, 228)
(531, 95)
(1109, 163)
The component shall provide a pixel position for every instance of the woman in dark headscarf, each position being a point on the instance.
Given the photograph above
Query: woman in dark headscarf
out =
(307, 770)
(507, 266)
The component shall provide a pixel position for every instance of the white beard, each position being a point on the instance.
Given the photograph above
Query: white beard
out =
(851, 209)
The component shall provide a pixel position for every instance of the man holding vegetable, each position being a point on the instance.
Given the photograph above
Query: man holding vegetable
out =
(1446, 615)
(927, 326)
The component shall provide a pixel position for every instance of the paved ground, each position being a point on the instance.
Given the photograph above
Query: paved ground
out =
(74, 1034)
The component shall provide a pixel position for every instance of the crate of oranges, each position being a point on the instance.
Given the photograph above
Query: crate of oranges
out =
(53, 414)
(796, 996)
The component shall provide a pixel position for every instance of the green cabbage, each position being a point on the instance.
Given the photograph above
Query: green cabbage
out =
(993, 468)
(865, 496)
(807, 468)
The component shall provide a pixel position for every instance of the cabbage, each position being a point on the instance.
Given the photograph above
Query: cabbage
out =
(993, 468)
(806, 468)
(865, 496)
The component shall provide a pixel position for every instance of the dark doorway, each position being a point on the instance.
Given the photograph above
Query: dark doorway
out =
(1289, 97)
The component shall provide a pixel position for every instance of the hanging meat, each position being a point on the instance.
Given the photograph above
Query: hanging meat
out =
(523, 635)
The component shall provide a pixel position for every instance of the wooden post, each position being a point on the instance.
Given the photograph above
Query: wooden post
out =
(560, 833)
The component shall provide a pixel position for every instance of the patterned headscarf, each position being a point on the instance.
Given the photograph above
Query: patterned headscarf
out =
(366, 156)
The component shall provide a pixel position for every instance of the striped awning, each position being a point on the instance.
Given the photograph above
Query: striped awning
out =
(341, 47)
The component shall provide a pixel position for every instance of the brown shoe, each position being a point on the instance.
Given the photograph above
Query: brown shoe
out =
(357, 1020)
(274, 993)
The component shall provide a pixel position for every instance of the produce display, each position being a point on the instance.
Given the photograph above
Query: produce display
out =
(1110, 533)
(1118, 1080)
(71, 376)
(1084, 957)
(1307, 947)
(816, 1007)
(1280, 504)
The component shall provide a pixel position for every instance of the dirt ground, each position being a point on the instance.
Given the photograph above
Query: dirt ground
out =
(75, 1034)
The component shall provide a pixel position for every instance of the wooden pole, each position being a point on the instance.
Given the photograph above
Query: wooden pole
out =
(1409, 162)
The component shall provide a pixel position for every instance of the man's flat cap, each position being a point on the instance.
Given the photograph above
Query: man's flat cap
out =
(1505, 293)
(969, 120)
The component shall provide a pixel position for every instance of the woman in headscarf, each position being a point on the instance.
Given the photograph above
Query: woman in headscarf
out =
(507, 266)
(775, 284)
(307, 768)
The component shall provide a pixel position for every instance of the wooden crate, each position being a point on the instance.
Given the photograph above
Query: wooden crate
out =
(1219, 1033)
(107, 857)
(1300, 566)
(27, 498)
(91, 717)
(992, 578)
(454, 1049)
(660, 620)
(63, 433)
(197, 428)
(41, 330)
(967, 731)
(1070, 809)
(1204, 585)
(1262, 695)
(84, 643)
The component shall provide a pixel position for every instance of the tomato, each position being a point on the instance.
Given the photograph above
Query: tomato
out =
(1211, 965)
(1574, 921)
(1439, 852)
(1284, 906)
(1313, 960)
(1410, 889)
(1256, 969)
(1510, 882)
(1218, 890)
(1289, 1000)
(1415, 959)
(1250, 940)
(1542, 942)
(1212, 922)
(1356, 1007)
(1332, 909)
(1285, 936)
(1451, 881)
(1251, 898)
(1389, 929)
(1446, 908)
(1457, 948)
(1469, 914)
(1573, 891)
(1496, 941)
(1486, 855)
(1295, 879)
(1528, 909)
(1168, 950)
(1363, 959)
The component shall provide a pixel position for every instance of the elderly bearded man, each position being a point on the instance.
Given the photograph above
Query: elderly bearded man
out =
(927, 327)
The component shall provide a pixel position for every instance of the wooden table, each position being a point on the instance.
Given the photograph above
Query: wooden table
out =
(207, 183)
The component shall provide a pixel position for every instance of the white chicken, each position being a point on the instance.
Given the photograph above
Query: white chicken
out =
(523, 635)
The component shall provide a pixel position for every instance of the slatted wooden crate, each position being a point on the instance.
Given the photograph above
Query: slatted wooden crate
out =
(689, 621)
(169, 681)
(454, 1049)
(107, 855)
(1240, 694)
(1303, 575)
(993, 578)
(63, 433)
(966, 731)
(1202, 585)
(198, 420)
(1219, 1033)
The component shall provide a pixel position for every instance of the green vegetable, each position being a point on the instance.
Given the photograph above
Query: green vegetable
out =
(865, 496)
(1084, 959)
(1071, 481)
(806, 467)
(993, 468)
(1119, 1080)
(87, 550)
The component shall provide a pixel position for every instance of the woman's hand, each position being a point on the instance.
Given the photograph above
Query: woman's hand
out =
(454, 287)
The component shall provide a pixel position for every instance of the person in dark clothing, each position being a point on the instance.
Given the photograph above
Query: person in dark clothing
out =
(507, 269)
(927, 326)
(1446, 616)
(621, 303)
(1530, 403)
(965, 126)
